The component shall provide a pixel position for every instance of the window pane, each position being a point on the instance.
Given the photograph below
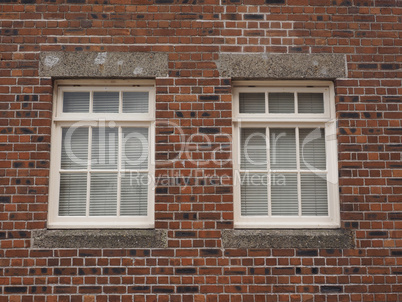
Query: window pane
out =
(252, 102)
(253, 149)
(254, 194)
(135, 148)
(134, 194)
(73, 192)
(76, 102)
(107, 102)
(281, 102)
(135, 102)
(282, 148)
(310, 102)
(74, 148)
(312, 149)
(104, 148)
(314, 195)
(103, 200)
(284, 198)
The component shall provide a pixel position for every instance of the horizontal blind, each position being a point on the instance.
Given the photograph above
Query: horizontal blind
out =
(310, 102)
(253, 150)
(281, 102)
(254, 194)
(104, 148)
(284, 197)
(73, 192)
(135, 102)
(314, 195)
(312, 148)
(103, 196)
(135, 148)
(74, 148)
(106, 102)
(75, 101)
(282, 148)
(134, 195)
(252, 102)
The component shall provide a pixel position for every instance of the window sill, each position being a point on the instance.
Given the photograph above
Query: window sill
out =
(279, 239)
(99, 239)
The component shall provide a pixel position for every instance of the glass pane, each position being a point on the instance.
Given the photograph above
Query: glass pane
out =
(134, 194)
(281, 102)
(310, 102)
(252, 102)
(107, 102)
(103, 199)
(253, 149)
(76, 102)
(284, 194)
(73, 194)
(314, 195)
(74, 148)
(135, 148)
(135, 102)
(104, 148)
(312, 149)
(254, 194)
(282, 148)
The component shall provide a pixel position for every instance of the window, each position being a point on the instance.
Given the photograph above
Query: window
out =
(285, 155)
(102, 155)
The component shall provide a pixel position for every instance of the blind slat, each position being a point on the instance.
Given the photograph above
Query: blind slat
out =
(254, 195)
(314, 195)
(73, 191)
(282, 148)
(281, 102)
(312, 148)
(106, 102)
(104, 148)
(103, 195)
(74, 149)
(75, 101)
(252, 102)
(284, 197)
(310, 102)
(135, 148)
(253, 150)
(135, 102)
(134, 195)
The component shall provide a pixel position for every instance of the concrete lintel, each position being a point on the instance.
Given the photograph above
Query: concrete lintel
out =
(99, 239)
(282, 66)
(80, 64)
(320, 239)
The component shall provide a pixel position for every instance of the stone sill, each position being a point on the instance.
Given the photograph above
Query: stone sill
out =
(99, 239)
(281, 239)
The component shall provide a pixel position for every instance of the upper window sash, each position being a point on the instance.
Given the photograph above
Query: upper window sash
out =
(118, 115)
(268, 116)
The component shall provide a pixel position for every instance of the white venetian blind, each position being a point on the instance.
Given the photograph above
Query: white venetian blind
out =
(134, 194)
(252, 102)
(314, 195)
(310, 102)
(253, 149)
(103, 197)
(135, 148)
(74, 148)
(312, 148)
(284, 197)
(282, 148)
(106, 102)
(104, 148)
(281, 102)
(135, 102)
(75, 101)
(73, 191)
(254, 194)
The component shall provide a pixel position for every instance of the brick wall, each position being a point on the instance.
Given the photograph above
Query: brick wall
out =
(195, 266)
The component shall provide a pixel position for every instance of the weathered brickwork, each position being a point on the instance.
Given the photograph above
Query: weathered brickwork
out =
(192, 207)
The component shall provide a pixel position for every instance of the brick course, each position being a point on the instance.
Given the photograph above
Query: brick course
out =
(194, 209)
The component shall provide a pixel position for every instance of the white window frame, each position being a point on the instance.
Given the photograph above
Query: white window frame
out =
(326, 120)
(61, 119)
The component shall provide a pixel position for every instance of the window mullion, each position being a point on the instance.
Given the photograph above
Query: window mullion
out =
(119, 155)
(296, 103)
(298, 171)
(89, 171)
(268, 169)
